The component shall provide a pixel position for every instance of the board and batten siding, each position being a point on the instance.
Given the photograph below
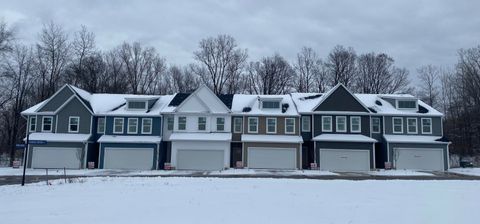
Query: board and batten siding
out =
(58, 100)
(77, 109)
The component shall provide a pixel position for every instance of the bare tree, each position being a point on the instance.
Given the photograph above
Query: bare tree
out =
(52, 58)
(182, 80)
(429, 77)
(6, 37)
(307, 67)
(320, 78)
(271, 75)
(220, 62)
(114, 79)
(341, 66)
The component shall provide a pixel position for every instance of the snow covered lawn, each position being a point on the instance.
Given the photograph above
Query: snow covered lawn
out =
(466, 171)
(218, 200)
(398, 173)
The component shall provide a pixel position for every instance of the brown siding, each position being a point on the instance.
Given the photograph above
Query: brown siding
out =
(262, 125)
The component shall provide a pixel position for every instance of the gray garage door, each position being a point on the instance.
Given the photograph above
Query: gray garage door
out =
(129, 158)
(57, 157)
(194, 159)
(419, 159)
(271, 158)
(344, 160)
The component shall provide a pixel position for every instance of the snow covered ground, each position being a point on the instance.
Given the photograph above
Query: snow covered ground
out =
(217, 200)
(466, 171)
(398, 173)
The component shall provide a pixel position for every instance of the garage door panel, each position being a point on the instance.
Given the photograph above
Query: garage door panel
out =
(271, 158)
(199, 159)
(57, 157)
(419, 159)
(344, 160)
(128, 158)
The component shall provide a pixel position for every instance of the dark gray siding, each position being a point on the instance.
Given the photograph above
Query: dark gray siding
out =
(74, 108)
(341, 100)
(436, 125)
(39, 122)
(345, 145)
(365, 130)
(307, 135)
(54, 144)
(391, 146)
(378, 136)
(54, 103)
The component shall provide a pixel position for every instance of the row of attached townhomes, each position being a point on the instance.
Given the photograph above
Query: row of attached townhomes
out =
(336, 130)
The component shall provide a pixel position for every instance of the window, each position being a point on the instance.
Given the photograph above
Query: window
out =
(270, 104)
(73, 123)
(220, 123)
(118, 125)
(170, 122)
(253, 125)
(407, 104)
(412, 125)
(341, 124)
(147, 126)
(375, 125)
(271, 125)
(326, 123)
(33, 124)
(136, 105)
(237, 125)
(182, 123)
(202, 123)
(132, 126)
(397, 125)
(101, 125)
(355, 124)
(289, 125)
(306, 123)
(426, 125)
(47, 123)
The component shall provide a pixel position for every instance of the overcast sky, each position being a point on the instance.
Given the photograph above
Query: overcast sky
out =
(413, 32)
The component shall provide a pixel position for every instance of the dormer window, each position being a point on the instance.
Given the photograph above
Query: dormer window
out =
(137, 105)
(271, 105)
(407, 104)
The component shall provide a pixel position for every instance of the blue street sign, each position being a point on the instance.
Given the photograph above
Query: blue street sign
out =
(37, 142)
(20, 146)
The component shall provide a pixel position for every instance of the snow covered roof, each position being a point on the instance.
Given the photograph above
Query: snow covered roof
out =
(129, 139)
(33, 108)
(414, 139)
(201, 136)
(306, 102)
(343, 138)
(250, 105)
(59, 137)
(272, 138)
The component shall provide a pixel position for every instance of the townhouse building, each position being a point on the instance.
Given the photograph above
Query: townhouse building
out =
(337, 130)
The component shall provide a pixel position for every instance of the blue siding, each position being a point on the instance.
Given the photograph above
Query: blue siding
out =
(156, 126)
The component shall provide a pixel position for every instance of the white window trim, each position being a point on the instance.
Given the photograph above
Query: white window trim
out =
(173, 123)
(104, 125)
(275, 126)
(379, 126)
(416, 125)
(359, 124)
(416, 105)
(235, 123)
(393, 125)
(69, 124)
(252, 118)
(216, 123)
(336, 124)
(128, 126)
(51, 124)
(137, 109)
(151, 125)
(307, 128)
(178, 123)
(286, 132)
(123, 123)
(331, 124)
(277, 101)
(30, 124)
(431, 126)
(198, 123)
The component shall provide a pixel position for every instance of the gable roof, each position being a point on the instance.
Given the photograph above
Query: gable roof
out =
(333, 90)
(182, 99)
(250, 105)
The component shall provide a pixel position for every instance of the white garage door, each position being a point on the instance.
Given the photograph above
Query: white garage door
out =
(195, 159)
(271, 158)
(344, 160)
(128, 158)
(419, 159)
(57, 157)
